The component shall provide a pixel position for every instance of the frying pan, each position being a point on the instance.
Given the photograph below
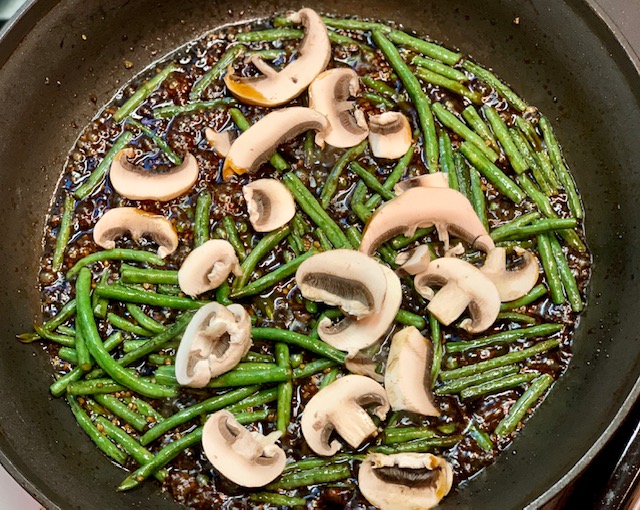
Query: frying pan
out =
(61, 59)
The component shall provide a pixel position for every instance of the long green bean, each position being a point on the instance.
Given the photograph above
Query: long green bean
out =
(516, 317)
(127, 294)
(144, 320)
(132, 274)
(278, 500)
(234, 237)
(398, 171)
(378, 100)
(115, 254)
(503, 383)
(566, 276)
(505, 337)
(65, 340)
(440, 68)
(530, 133)
(397, 243)
(393, 435)
(293, 338)
(462, 174)
(266, 244)
(143, 92)
(145, 409)
(158, 140)
(473, 118)
(520, 221)
(426, 48)
(447, 83)
(118, 322)
(512, 98)
(537, 292)
(534, 163)
(260, 398)
(410, 319)
(83, 359)
(239, 376)
(121, 410)
(330, 473)
(457, 385)
(419, 445)
(438, 348)
(285, 389)
(500, 129)
(313, 368)
(64, 314)
(537, 227)
(478, 199)
(482, 439)
(550, 266)
(202, 218)
(371, 181)
(216, 71)
(379, 86)
(446, 159)
(95, 386)
(64, 232)
(522, 405)
(331, 183)
(168, 112)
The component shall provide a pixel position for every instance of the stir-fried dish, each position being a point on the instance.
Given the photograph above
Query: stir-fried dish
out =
(311, 262)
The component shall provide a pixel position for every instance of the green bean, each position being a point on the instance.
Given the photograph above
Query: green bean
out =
(145, 409)
(537, 227)
(521, 406)
(478, 200)
(373, 201)
(482, 439)
(297, 359)
(397, 243)
(233, 237)
(361, 212)
(566, 276)
(115, 254)
(309, 149)
(311, 306)
(505, 337)
(519, 221)
(98, 175)
(216, 71)
(121, 292)
(457, 385)
(504, 383)
(438, 348)
(446, 159)
(537, 292)
(371, 181)
(502, 132)
(118, 322)
(329, 377)
(278, 500)
(59, 387)
(512, 98)
(64, 232)
(393, 435)
(83, 359)
(68, 354)
(277, 34)
(323, 240)
(379, 86)
(492, 173)
(285, 390)
(447, 83)
(312, 368)
(237, 377)
(167, 112)
(499, 361)
(101, 305)
(529, 132)
(550, 266)
(266, 244)
(516, 317)
(131, 345)
(95, 386)
(144, 320)
(246, 418)
(315, 462)
(418, 446)
(354, 24)
(417, 95)
(158, 140)
(440, 68)
(63, 315)
(292, 338)
(471, 115)
(534, 163)
(161, 359)
(575, 205)
(451, 121)
(89, 428)
(330, 473)
(222, 294)
(462, 174)
(122, 411)
(429, 49)
(187, 414)
(255, 400)
(410, 319)
(67, 341)
(399, 170)
(331, 183)
(66, 330)
(201, 221)
(165, 455)
(131, 274)
(377, 100)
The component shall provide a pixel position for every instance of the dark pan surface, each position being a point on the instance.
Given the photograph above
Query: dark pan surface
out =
(561, 57)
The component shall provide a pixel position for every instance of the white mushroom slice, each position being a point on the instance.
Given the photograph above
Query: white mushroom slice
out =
(275, 88)
(407, 377)
(514, 283)
(348, 279)
(462, 286)
(136, 183)
(404, 481)
(128, 220)
(339, 407)
(246, 458)
(207, 266)
(269, 203)
(435, 180)
(328, 94)
(361, 363)
(214, 342)
(351, 335)
(389, 135)
(414, 261)
(446, 209)
(258, 143)
(220, 141)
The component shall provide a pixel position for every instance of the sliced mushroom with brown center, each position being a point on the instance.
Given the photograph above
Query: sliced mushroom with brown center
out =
(435, 180)
(340, 407)
(407, 377)
(246, 458)
(446, 209)
(136, 183)
(258, 143)
(511, 283)
(348, 279)
(214, 342)
(389, 135)
(414, 261)
(207, 266)
(329, 94)
(275, 88)
(121, 221)
(220, 141)
(269, 203)
(462, 286)
(404, 481)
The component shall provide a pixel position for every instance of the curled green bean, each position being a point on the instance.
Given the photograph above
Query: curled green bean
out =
(64, 232)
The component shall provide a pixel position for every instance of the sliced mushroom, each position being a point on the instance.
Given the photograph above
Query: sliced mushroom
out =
(348, 279)
(339, 407)
(275, 88)
(136, 183)
(407, 377)
(389, 135)
(435, 180)
(446, 209)
(328, 94)
(515, 283)
(414, 261)
(404, 481)
(362, 363)
(220, 141)
(128, 220)
(207, 266)
(214, 342)
(246, 458)
(352, 335)
(258, 143)
(269, 203)
(462, 286)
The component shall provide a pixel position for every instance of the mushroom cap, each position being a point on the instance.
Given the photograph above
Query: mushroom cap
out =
(404, 481)
(258, 143)
(136, 183)
(389, 135)
(435, 180)
(122, 220)
(275, 88)
(207, 266)
(214, 342)
(407, 378)
(511, 283)
(339, 407)
(414, 261)
(446, 209)
(246, 458)
(269, 203)
(351, 280)
(220, 141)
(351, 335)
(329, 94)
(462, 286)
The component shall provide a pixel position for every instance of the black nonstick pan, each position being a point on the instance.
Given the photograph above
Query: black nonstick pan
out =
(60, 60)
